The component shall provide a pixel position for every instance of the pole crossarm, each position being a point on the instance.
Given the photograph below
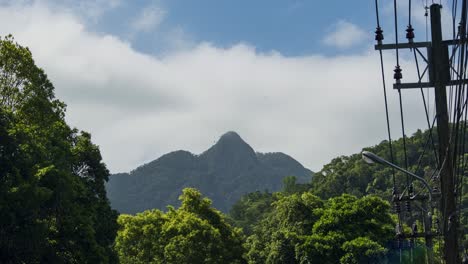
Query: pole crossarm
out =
(402, 46)
(426, 84)
(443, 57)
(414, 45)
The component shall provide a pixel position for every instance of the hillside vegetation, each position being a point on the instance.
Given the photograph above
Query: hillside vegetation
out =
(54, 206)
(225, 172)
(342, 216)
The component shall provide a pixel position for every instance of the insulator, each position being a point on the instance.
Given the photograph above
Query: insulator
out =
(408, 206)
(394, 192)
(396, 197)
(437, 225)
(397, 75)
(397, 208)
(426, 13)
(379, 35)
(398, 230)
(410, 34)
(411, 189)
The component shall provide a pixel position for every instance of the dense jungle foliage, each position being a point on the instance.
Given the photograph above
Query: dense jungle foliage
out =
(53, 205)
(54, 208)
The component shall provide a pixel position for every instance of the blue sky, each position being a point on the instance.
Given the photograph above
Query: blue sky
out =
(292, 28)
(150, 77)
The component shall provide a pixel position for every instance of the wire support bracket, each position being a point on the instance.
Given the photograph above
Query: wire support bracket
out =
(445, 78)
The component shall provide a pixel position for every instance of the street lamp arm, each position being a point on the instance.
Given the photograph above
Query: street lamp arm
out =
(371, 157)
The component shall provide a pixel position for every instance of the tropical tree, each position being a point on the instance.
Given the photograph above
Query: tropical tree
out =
(193, 233)
(276, 236)
(53, 205)
(348, 228)
(304, 229)
(251, 209)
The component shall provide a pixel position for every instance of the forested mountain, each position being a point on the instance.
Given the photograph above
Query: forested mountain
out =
(271, 220)
(223, 173)
(350, 174)
(54, 208)
(340, 217)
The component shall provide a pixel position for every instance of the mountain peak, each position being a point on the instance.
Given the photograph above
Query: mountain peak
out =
(231, 136)
(230, 151)
(225, 172)
(231, 141)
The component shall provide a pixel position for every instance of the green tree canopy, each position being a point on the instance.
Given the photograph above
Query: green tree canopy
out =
(250, 209)
(193, 233)
(53, 206)
(351, 175)
(304, 229)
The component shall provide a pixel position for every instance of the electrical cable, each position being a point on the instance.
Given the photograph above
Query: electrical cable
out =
(379, 31)
(398, 70)
(385, 97)
(426, 110)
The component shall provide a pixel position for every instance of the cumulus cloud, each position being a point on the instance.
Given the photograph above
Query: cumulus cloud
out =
(138, 106)
(344, 35)
(149, 18)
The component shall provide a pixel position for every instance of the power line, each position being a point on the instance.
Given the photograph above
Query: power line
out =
(450, 163)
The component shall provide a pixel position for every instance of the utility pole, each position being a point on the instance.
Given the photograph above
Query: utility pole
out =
(441, 76)
(438, 65)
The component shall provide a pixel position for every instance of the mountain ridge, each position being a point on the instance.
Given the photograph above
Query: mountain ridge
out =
(224, 172)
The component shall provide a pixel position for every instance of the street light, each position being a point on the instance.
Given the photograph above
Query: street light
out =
(370, 157)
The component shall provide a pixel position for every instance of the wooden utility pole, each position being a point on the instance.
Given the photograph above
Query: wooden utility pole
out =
(441, 76)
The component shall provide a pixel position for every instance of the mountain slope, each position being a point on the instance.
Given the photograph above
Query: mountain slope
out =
(223, 173)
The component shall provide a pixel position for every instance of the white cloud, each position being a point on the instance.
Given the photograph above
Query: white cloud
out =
(149, 18)
(138, 107)
(345, 35)
(177, 39)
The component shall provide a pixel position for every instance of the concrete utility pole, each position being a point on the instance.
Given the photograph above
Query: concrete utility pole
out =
(439, 77)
